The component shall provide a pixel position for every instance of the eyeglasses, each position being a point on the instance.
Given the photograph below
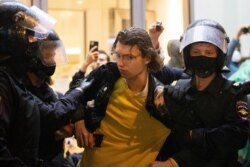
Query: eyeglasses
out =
(126, 58)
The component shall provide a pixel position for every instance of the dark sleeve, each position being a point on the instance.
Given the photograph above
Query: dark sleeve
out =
(232, 132)
(61, 112)
(169, 74)
(6, 103)
(223, 141)
(213, 144)
(77, 76)
(58, 113)
(234, 128)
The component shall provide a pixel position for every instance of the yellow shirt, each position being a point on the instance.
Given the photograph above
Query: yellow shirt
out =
(131, 136)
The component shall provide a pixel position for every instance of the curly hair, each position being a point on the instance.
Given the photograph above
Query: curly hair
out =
(139, 37)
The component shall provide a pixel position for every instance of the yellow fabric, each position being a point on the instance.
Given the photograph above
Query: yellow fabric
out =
(131, 136)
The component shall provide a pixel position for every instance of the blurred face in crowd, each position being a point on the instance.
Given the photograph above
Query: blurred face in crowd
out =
(101, 59)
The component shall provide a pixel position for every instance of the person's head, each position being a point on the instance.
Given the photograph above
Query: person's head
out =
(133, 51)
(51, 51)
(204, 47)
(102, 58)
(173, 48)
(22, 30)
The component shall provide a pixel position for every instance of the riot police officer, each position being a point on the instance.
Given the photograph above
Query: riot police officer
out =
(39, 82)
(209, 120)
(22, 33)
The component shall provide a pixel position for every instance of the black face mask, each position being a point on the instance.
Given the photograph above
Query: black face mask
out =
(42, 71)
(202, 66)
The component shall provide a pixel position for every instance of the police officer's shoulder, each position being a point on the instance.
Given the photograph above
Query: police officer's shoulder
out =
(182, 82)
(227, 85)
(232, 86)
(236, 85)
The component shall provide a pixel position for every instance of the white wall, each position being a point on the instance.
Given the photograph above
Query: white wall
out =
(232, 14)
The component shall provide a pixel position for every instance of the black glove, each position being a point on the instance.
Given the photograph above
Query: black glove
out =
(175, 92)
(196, 139)
(84, 85)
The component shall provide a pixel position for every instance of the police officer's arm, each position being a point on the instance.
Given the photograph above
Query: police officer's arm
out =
(235, 123)
(169, 74)
(59, 113)
(220, 140)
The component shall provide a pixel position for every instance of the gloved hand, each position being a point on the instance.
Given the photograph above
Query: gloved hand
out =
(196, 139)
(84, 85)
(174, 92)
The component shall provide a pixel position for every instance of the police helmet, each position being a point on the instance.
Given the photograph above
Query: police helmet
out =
(204, 30)
(20, 25)
(49, 53)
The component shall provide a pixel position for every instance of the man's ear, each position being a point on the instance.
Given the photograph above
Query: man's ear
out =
(147, 59)
(32, 39)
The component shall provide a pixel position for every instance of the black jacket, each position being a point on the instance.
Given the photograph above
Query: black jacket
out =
(21, 114)
(49, 148)
(104, 80)
(218, 120)
(19, 123)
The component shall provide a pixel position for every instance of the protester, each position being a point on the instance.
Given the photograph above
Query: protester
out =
(176, 58)
(123, 92)
(94, 60)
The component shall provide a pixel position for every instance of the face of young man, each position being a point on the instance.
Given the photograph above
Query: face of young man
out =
(130, 62)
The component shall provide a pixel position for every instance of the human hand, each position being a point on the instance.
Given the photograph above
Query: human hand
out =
(172, 92)
(84, 85)
(159, 96)
(242, 30)
(196, 139)
(91, 58)
(65, 131)
(83, 136)
(70, 147)
(175, 92)
(155, 33)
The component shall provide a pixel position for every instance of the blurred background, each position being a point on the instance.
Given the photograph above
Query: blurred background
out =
(80, 21)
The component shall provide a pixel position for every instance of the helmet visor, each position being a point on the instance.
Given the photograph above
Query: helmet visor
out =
(52, 53)
(204, 34)
(36, 20)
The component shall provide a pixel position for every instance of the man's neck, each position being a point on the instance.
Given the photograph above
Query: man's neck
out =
(202, 83)
(138, 83)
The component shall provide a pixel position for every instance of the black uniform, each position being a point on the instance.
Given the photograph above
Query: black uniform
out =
(19, 123)
(49, 148)
(20, 111)
(217, 119)
(20, 115)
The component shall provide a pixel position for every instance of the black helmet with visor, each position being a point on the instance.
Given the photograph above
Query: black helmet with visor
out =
(208, 31)
(23, 31)
(49, 53)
